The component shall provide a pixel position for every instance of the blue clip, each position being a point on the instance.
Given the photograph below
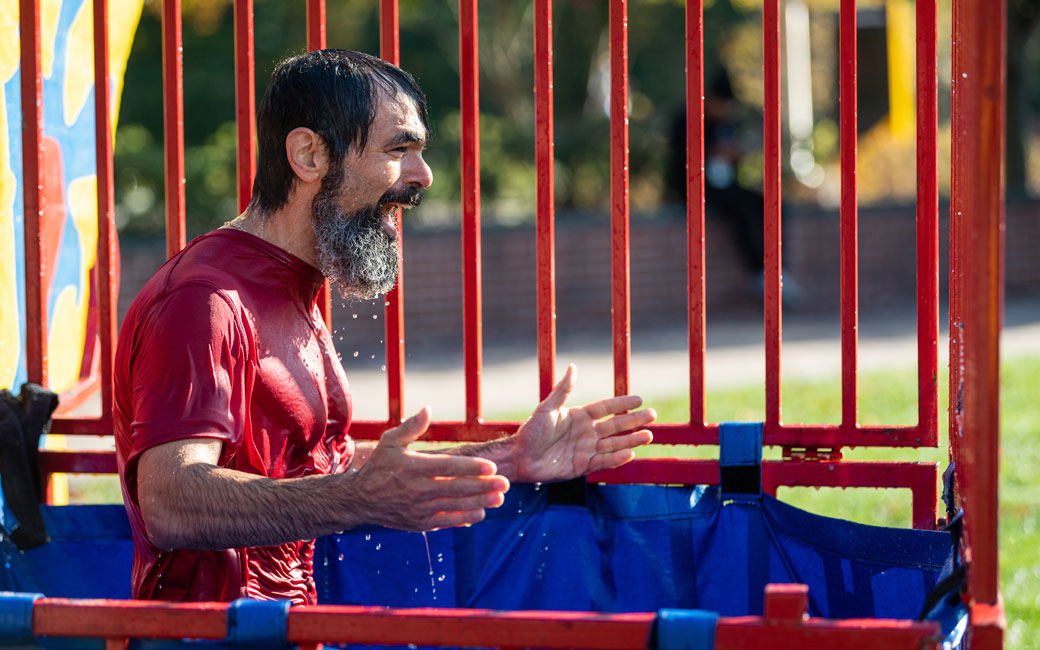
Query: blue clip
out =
(258, 623)
(740, 459)
(684, 629)
(16, 617)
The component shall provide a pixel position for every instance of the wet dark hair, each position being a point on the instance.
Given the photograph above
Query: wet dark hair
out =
(335, 93)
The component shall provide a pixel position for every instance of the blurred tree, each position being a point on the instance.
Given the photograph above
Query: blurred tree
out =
(1023, 91)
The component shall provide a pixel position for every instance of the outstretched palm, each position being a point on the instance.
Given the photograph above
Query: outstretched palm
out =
(559, 442)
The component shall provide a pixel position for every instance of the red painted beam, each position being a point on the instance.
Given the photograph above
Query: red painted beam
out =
(979, 83)
(695, 255)
(469, 83)
(849, 217)
(245, 100)
(771, 198)
(32, 192)
(545, 208)
(620, 290)
(173, 124)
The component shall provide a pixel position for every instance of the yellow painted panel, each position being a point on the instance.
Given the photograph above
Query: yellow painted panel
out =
(82, 199)
(10, 332)
(50, 12)
(901, 68)
(123, 16)
(8, 39)
(65, 336)
(79, 63)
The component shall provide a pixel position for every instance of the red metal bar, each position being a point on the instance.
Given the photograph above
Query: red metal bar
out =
(469, 628)
(812, 435)
(129, 618)
(61, 461)
(927, 225)
(389, 51)
(106, 248)
(112, 619)
(389, 37)
(315, 25)
(696, 324)
(316, 41)
(543, 95)
(786, 602)
(173, 124)
(956, 279)
(32, 192)
(979, 73)
(771, 192)
(245, 100)
(620, 300)
(469, 83)
(849, 218)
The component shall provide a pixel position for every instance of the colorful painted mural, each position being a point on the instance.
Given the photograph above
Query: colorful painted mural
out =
(69, 223)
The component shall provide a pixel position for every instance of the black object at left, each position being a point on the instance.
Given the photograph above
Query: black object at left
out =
(23, 420)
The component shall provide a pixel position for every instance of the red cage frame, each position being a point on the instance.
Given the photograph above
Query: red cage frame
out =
(976, 303)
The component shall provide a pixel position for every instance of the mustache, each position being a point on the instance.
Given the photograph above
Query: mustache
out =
(411, 196)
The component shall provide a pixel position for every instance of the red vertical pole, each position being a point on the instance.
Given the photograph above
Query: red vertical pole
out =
(245, 100)
(173, 124)
(315, 25)
(389, 51)
(543, 93)
(620, 303)
(106, 254)
(470, 107)
(771, 191)
(979, 84)
(956, 272)
(32, 192)
(389, 37)
(927, 226)
(316, 41)
(849, 218)
(695, 205)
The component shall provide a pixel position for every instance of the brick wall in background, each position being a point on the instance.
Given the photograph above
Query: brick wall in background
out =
(433, 276)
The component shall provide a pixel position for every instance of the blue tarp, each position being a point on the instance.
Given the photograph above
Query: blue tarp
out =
(628, 548)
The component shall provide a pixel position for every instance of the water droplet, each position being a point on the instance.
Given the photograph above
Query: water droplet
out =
(353, 315)
(368, 537)
(373, 356)
(441, 578)
(375, 316)
(379, 546)
(520, 534)
(383, 368)
(537, 486)
(340, 557)
(355, 354)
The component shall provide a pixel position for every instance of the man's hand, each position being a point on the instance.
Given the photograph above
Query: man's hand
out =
(417, 491)
(558, 442)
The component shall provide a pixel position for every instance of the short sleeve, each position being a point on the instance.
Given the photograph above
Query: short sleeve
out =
(189, 372)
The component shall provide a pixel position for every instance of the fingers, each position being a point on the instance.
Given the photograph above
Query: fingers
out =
(559, 394)
(408, 431)
(611, 460)
(613, 406)
(625, 422)
(433, 465)
(623, 442)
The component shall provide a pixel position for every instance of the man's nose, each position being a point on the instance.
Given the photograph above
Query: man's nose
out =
(417, 172)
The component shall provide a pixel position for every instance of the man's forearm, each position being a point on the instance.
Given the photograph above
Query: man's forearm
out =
(220, 508)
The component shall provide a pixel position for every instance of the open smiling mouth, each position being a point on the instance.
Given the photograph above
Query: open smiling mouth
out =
(389, 214)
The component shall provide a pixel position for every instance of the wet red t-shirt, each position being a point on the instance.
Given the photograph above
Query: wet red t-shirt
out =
(226, 342)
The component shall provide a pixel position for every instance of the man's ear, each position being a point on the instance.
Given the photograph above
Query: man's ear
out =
(306, 154)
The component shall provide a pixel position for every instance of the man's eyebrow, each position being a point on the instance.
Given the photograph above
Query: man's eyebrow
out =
(407, 137)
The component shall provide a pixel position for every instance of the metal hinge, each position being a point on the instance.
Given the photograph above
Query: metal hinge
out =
(813, 454)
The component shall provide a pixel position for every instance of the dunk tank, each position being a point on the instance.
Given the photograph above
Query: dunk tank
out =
(663, 552)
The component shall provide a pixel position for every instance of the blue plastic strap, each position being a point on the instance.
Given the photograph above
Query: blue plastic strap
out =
(684, 629)
(258, 623)
(16, 617)
(740, 459)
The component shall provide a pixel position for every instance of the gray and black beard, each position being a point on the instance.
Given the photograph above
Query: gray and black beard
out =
(354, 251)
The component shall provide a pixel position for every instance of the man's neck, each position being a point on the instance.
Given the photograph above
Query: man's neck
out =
(288, 228)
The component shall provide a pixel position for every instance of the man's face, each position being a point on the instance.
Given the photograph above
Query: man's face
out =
(355, 212)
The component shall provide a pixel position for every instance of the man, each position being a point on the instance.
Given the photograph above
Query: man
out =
(231, 410)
